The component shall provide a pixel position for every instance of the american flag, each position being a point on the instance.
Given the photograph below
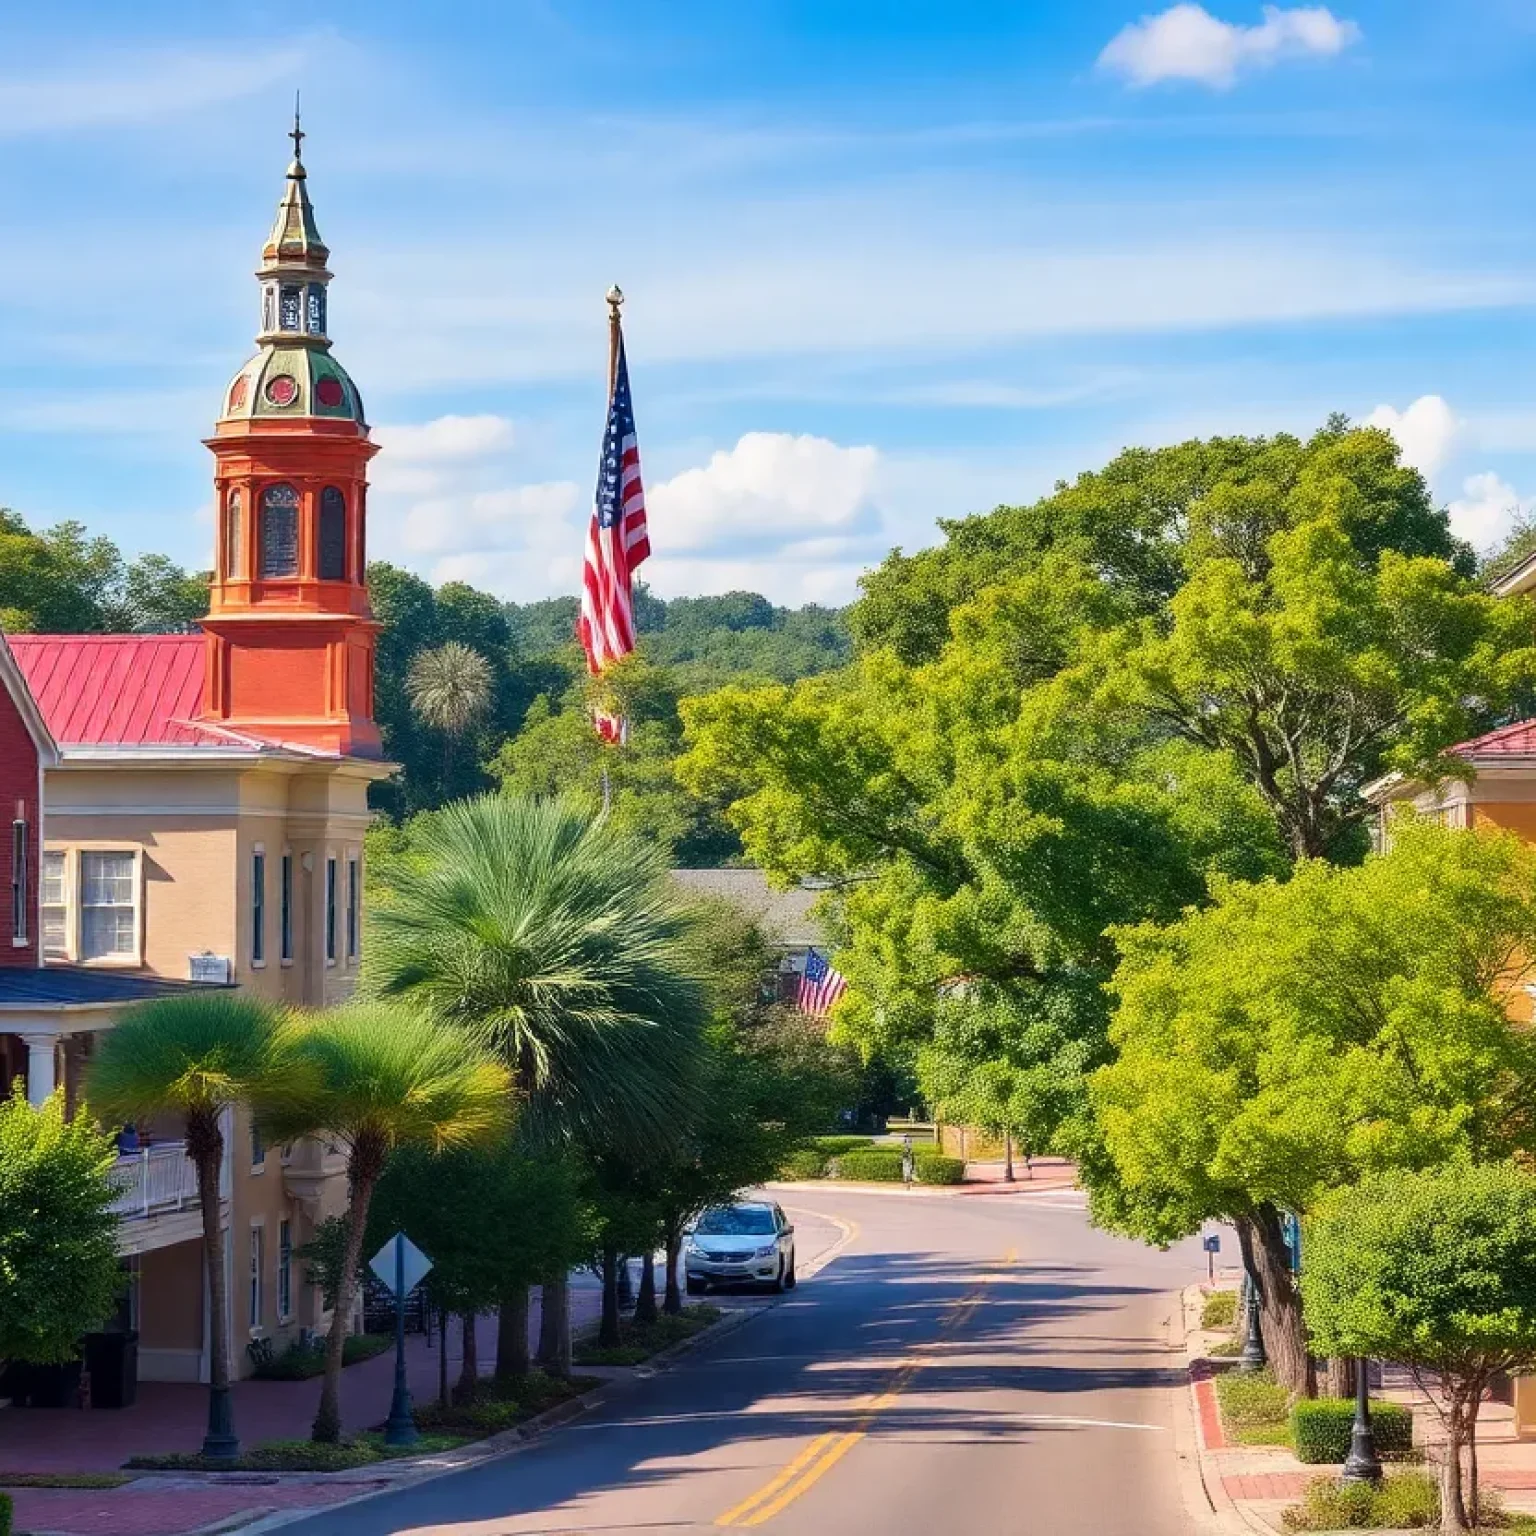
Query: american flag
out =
(820, 986)
(617, 542)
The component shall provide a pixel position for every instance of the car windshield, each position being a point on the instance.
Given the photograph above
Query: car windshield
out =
(736, 1221)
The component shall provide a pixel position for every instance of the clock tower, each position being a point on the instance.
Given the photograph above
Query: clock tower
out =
(290, 633)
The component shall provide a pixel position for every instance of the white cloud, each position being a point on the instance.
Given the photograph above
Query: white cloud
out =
(448, 437)
(487, 520)
(142, 87)
(771, 485)
(1487, 509)
(1186, 42)
(1426, 431)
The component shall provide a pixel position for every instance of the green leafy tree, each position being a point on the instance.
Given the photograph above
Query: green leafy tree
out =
(376, 1077)
(158, 597)
(1434, 1268)
(1294, 1037)
(58, 1256)
(195, 1057)
(559, 942)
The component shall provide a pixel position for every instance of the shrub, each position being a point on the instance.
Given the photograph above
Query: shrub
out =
(879, 1165)
(5, 1514)
(807, 1163)
(1320, 1429)
(935, 1168)
(1220, 1310)
(1404, 1501)
(298, 1362)
(832, 1145)
(1250, 1399)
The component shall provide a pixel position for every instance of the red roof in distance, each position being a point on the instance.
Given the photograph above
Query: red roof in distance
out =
(118, 690)
(1517, 740)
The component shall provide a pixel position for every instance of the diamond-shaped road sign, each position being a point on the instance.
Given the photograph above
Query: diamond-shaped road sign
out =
(417, 1264)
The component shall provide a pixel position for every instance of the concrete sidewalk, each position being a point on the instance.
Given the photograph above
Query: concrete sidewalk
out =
(1252, 1485)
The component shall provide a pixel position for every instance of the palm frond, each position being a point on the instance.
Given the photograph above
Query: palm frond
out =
(449, 687)
(559, 942)
(188, 1055)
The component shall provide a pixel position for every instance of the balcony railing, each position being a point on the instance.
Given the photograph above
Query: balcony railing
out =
(157, 1179)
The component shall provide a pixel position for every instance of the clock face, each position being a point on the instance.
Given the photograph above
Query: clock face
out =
(328, 391)
(282, 389)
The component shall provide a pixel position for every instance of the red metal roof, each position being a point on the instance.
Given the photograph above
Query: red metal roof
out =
(118, 690)
(1517, 740)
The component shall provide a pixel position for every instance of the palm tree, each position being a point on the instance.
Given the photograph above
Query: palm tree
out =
(194, 1056)
(450, 689)
(563, 945)
(379, 1076)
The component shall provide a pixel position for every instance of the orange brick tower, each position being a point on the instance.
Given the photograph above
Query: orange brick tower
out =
(290, 634)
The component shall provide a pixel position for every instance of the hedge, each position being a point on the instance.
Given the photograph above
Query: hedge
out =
(833, 1145)
(935, 1168)
(5, 1514)
(878, 1165)
(1220, 1310)
(807, 1163)
(1320, 1429)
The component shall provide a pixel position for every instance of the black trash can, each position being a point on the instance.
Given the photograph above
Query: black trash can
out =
(54, 1386)
(113, 1361)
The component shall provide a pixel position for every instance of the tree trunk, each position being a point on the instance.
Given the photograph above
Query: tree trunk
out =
(512, 1335)
(205, 1143)
(555, 1325)
(1007, 1158)
(673, 1302)
(327, 1426)
(1473, 1495)
(469, 1367)
(645, 1302)
(442, 1358)
(1280, 1321)
(1453, 1509)
(1339, 1378)
(608, 1336)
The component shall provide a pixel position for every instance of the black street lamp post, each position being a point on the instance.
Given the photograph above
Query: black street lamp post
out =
(1363, 1465)
(1252, 1356)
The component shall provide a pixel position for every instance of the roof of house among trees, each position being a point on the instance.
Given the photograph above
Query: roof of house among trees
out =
(784, 914)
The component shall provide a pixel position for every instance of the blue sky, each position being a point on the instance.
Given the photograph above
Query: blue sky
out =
(885, 262)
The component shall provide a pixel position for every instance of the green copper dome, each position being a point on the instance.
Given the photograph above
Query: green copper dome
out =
(293, 380)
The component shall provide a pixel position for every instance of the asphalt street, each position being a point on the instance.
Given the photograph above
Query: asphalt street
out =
(983, 1364)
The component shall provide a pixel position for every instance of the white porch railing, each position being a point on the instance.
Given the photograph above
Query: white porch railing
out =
(155, 1179)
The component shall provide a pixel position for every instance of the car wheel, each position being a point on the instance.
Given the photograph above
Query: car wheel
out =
(789, 1280)
(695, 1287)
(778, 1280)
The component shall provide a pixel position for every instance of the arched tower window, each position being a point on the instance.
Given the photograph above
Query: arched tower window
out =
(291, 309)
(234, 541)
(279, 531)
(315, 302)
(333, 535)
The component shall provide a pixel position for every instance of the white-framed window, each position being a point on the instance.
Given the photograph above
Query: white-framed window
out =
(354, 904)
(285, 909)
(257, 1234)
(259, 907)
(108, 905)
(284, 1270)
(19, 897)
(55, 906)
(330, 910)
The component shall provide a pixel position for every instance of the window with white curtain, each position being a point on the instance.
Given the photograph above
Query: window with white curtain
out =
(108, 905)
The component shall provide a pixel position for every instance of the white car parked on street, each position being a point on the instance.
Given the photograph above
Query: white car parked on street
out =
(748, 1241)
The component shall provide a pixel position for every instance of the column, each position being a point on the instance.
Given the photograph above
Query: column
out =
(42, 1077)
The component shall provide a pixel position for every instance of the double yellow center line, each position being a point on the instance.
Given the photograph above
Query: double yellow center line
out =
(825, 1451)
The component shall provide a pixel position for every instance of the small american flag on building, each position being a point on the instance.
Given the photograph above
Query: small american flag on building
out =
(820, 986)
(617, 542)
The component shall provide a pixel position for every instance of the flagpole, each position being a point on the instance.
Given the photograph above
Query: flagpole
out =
(615, 297)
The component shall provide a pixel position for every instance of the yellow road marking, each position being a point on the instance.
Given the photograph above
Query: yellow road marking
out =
(818, 1458)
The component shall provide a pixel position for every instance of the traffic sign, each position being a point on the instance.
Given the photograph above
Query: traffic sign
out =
(410, 1265)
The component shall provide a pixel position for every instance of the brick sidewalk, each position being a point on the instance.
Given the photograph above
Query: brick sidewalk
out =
(169, 1417)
